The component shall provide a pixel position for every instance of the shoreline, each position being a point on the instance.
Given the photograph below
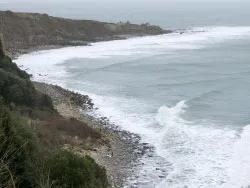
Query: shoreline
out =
(16, 53)
(121, 155)
(24, 31)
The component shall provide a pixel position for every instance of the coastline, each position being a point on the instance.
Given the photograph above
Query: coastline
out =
(16, 53)
(24, 31)
(120, 154)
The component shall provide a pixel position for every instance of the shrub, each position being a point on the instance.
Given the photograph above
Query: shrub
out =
(16, 151)
(16, 87)
(17, 90)
(7, 64)
(1, 48)
(17, 145)
(69, 170)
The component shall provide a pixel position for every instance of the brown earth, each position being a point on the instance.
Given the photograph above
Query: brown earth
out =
(30, 30)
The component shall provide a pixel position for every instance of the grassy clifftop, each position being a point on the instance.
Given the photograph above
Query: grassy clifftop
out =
(26, 30)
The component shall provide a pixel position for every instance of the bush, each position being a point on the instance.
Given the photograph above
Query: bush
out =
(16, 151)
(69, 170)
(16, 90)
(7, 64)
(18, 164)
(1, 48)
(16, 87)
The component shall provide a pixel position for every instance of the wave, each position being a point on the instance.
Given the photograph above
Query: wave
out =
(171, 116)
(199, 154)
(202, 155)
(193, 150)
(135, 47)
(204, 95)
(239, 165)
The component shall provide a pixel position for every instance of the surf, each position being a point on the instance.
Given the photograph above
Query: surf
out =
(188, 150)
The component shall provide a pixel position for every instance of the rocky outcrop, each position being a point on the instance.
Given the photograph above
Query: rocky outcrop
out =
(29, 30)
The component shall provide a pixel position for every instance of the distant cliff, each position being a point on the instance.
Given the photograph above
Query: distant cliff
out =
(28, 30)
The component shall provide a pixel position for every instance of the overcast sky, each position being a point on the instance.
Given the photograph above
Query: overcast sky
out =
(153, 11)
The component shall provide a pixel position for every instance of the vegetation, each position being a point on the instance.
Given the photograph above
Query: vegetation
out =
(30, 138)
(16, 151)
(1, 49)
(69, 170)
(16, 87)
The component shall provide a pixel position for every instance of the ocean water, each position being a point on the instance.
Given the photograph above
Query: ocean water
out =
(185, 94)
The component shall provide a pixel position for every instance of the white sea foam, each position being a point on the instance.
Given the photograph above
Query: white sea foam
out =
(239, 165)
(198, 160)
(193, 155)
(44, 62)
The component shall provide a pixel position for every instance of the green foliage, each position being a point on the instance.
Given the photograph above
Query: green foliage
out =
(10, 67)
(16, 151)
(18, 160)
(44, 101)
(16, 90)
(16, 87)
(18, 167)
(1, 49)
(69, 170)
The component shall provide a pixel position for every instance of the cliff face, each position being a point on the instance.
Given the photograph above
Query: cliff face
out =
(27, 30)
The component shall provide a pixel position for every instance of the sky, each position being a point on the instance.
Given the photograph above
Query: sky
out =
(175, 13)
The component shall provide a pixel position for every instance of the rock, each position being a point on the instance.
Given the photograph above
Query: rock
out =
(146, 147)
(94, 149)
(160, 169)
(150, 154)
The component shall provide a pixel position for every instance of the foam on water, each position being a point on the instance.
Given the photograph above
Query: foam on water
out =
(45, 61)
(191, 155)
(239, 164)
(198, 160)
(186, 155)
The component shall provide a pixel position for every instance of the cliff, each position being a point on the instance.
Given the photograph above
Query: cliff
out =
(28, 30)
(38, 146)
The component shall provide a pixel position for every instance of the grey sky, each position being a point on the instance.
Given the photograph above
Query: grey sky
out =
(153, 11)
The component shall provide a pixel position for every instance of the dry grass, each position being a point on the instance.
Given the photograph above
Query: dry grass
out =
(54, 131)
(5, 162)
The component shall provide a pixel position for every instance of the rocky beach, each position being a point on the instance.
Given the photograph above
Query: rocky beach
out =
(122, 150)
(118, 151)
(124, 94)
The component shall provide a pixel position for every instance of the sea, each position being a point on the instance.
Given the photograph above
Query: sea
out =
(187, 94)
